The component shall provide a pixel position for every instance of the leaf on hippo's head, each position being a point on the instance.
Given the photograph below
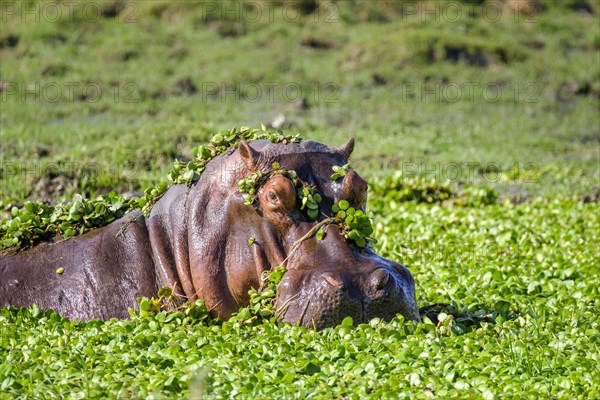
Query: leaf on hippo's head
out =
(320, 235)
(217, 139)
(339, 171)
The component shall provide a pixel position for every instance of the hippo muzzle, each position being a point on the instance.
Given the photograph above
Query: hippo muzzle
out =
(341, 281)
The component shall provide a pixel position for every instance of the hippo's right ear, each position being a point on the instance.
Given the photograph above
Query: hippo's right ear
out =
(347, 148)
(248, 154)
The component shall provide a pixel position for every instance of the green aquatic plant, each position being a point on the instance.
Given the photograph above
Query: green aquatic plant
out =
(340, 171)
(310, 201)
(36, 222)
(355, 224)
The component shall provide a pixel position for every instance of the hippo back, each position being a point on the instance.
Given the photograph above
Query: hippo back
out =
(102, 272)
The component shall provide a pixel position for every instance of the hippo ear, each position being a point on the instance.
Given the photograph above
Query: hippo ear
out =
(248, 154)
(347, 148)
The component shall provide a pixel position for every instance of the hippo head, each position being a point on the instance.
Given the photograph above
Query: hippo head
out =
(329, 278)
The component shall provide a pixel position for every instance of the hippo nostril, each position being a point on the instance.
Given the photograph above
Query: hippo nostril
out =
(380, 279)
(333, 281)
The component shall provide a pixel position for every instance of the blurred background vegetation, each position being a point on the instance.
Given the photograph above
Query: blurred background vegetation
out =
(101, 96)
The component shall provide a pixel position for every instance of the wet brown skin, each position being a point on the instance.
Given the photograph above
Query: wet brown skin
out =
(196, 240)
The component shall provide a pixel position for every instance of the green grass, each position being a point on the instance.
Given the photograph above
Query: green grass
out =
(546, 115)
(521, 267)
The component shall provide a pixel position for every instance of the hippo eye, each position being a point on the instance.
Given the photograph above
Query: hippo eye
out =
(272, 197)
(278, 194)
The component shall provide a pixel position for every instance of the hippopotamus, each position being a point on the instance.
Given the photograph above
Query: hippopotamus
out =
(204, 242)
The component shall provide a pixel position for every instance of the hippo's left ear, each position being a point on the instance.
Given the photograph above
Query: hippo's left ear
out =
(347, 148)
(248, 154)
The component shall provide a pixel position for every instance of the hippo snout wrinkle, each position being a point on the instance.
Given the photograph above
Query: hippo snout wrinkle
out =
(379, 279)
(335, 282)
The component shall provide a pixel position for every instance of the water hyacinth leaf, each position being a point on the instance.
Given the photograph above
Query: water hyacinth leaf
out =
(116, 204)
(248, 199)
(100, 209)
(320, 234)
(205, 153)
(339, 171)
(502, 307)
(304, 201)
(232, 136)
(144, 304)
(188, 175)
(165, 292)
(217, 139)
(76, 206)
(65, 225)
(69, 232)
